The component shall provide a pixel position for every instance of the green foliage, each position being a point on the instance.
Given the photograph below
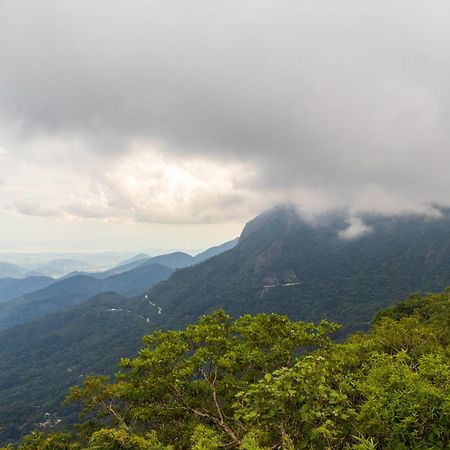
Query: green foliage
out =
(204, 438)
(41, 441)
(250, 442)
(391, 387)
(182, 379)
(123, 439)
(403, 406)
(363, 444)
(263, 382)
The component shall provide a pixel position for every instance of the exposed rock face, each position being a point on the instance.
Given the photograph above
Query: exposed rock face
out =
(289, 276)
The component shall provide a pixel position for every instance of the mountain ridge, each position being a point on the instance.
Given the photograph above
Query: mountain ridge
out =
(70, 291)
(283, 263)
(9, 270)
(11, 288)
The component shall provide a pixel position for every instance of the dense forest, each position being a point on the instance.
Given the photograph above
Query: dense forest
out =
(281, 264)
(263, 381)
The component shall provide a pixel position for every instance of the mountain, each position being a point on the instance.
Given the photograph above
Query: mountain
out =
(309, 271)
(282, 263)
(110, 272)
(71, 291)
(62, 266)
(14, 287)
(138, 257)
(175, 260)
(172, 260)
(178, 259)
(213, 251)
(92, 261)
(8, 270)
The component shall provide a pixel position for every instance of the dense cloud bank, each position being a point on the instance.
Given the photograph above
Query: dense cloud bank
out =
(161, 112)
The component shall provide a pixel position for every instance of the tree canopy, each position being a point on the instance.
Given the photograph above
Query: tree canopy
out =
(263, 382)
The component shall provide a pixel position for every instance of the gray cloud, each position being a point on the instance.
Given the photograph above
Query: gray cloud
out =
(330, 103)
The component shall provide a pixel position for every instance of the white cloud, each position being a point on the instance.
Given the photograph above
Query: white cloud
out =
(141, 185)
(356, 228)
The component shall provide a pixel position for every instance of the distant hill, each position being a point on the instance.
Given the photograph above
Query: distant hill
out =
(62, 266)
(172, 260)
(8, 270)
(213, 251)
(65, 293)
(92, 261)
(175, 260)
(138, 257)
(14, 287)
(282, 263)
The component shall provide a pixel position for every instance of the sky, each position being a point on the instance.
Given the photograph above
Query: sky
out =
(169, 124)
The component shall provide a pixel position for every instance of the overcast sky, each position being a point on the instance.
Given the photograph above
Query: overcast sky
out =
(137, 124)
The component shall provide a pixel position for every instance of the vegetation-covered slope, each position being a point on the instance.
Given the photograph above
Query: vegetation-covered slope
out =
(40, 360)
(265, 382)
(14, 287)
(287, 265)
(281, 264)
(70, 291)
(175, 260)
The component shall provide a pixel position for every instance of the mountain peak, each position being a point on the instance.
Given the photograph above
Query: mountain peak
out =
(280, 217)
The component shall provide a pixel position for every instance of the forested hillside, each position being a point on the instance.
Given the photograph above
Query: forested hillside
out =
(305, 269)
(263, 382)
(11, 288)
(68, 292)
(282, 264)
(39, 362)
